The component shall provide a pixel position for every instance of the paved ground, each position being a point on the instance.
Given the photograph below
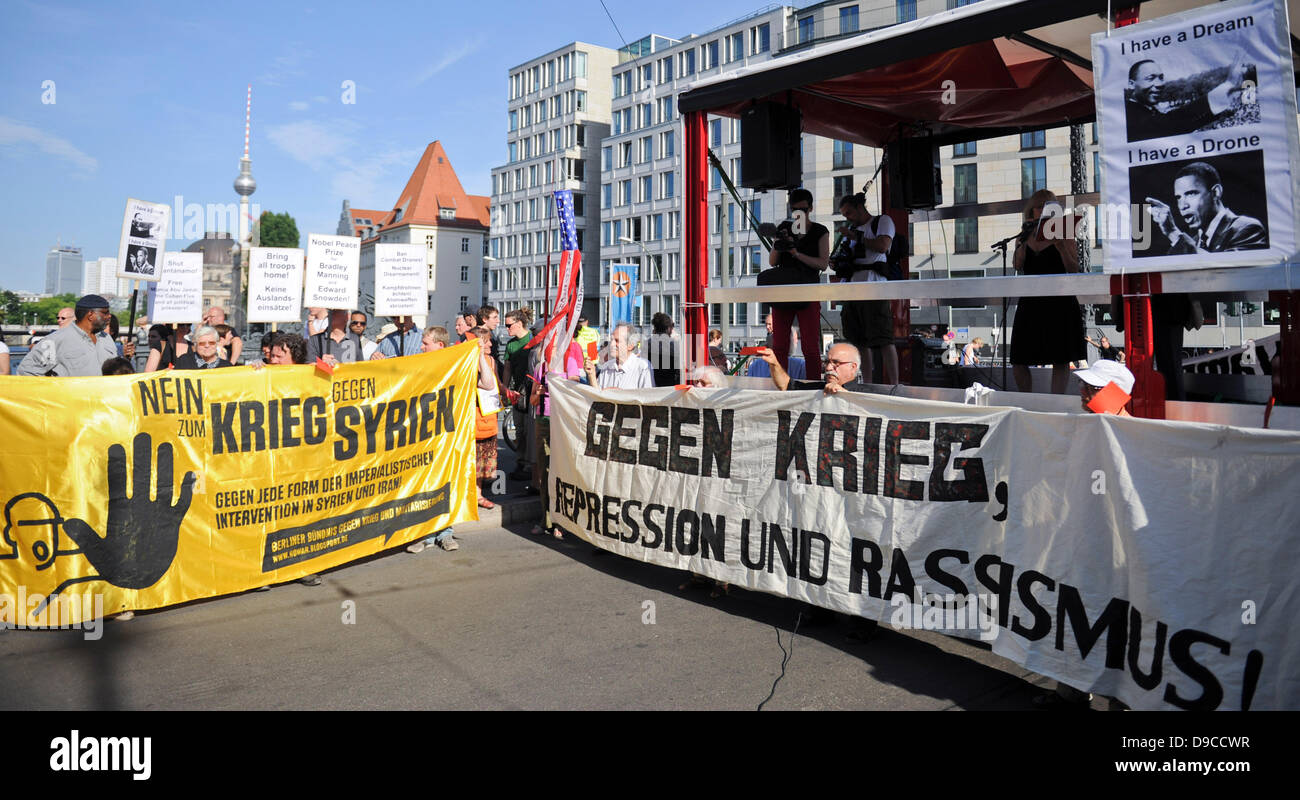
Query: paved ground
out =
(510, 621)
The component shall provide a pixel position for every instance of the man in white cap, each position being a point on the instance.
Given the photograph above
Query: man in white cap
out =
(1097, 377)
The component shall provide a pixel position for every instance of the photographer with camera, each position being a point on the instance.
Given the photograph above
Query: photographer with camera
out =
(800, 251)
(863, 256)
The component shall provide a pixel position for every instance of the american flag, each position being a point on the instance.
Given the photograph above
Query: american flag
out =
(558, 332)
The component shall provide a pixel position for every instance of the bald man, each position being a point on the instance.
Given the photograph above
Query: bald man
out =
(840, 370)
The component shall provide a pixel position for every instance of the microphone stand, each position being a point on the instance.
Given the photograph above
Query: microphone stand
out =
(1001, 247)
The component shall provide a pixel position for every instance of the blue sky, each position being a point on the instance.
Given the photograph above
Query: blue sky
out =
(149, 103)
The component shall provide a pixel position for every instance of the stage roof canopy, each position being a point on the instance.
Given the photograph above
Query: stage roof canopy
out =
(1014, 65)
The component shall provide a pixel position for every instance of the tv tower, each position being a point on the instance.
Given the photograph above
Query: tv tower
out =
(241, 252)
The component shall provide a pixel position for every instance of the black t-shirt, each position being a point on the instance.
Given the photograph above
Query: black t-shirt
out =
(810, 245)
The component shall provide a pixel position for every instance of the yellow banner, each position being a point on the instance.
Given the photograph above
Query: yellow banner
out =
(142, 491)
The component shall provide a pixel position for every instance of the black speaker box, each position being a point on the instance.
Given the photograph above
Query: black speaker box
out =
(914, 177)
(769, 147)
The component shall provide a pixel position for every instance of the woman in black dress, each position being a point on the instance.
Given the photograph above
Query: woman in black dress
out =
(1048, 330)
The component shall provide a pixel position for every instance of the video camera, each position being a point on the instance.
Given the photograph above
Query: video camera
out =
(781, 234)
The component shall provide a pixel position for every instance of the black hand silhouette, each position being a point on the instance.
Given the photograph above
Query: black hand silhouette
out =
(142, 535)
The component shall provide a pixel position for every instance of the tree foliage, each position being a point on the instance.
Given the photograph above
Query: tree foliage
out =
(278, 230)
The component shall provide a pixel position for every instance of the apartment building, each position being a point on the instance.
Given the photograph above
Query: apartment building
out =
(557, 114)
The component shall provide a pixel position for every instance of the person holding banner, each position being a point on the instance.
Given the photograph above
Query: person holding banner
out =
(216, 317)
(334, 346)
(435, 338)
(204, 355)
(842, 364)
(80, 349)
(485, 425)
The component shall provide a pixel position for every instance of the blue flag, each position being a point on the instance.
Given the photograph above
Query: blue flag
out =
(623, 296)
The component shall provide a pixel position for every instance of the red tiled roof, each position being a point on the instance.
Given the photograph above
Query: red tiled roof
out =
(432, 187)
(374, 216)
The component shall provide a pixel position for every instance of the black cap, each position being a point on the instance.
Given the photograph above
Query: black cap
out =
(90, 302)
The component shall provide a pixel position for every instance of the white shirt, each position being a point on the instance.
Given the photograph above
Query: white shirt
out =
(632, 374)
(883, 226)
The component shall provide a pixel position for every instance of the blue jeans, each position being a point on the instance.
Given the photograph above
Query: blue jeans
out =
(435, 538)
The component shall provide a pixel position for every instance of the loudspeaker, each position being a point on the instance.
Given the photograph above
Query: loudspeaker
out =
(914, 177)
(769, 147)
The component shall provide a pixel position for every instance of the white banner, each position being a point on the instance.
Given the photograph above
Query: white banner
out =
(333, 266)
(401, 280)
(144, 239)
(275, 284)
(1141, 559)
(179, 296)
(1196, 114)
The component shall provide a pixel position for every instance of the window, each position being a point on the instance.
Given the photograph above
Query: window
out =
(464, 244)
(665, 69)
(647, 188)
(579, 205)
(1033, 176)
(735, 47)
(624, 153)
(606, 158)
(606, 195)
(1034, 140)
(740, 313)
(760, 38)
(580, 101)
(1096, 171)
(665, 109)
(580, 60)
(967, 234)
(666, 188)
(716, 180)
(621, 84)
(709, 55)
(715, 133)
(624, 192)
(841, 155)
(963, 149)
(715, 314)
(805, 30)
(688, 62)
(848, 20)
(666, 145)
(906, 10)
(514, 152)
(657, 227)
(646, 74)
(842, 187)
(645, 115)
(965, 184)
(464, 274)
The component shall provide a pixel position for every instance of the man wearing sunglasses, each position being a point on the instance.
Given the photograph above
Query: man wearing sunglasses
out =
(79, 349)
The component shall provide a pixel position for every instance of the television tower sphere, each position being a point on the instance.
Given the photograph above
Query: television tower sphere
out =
(244, 184)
